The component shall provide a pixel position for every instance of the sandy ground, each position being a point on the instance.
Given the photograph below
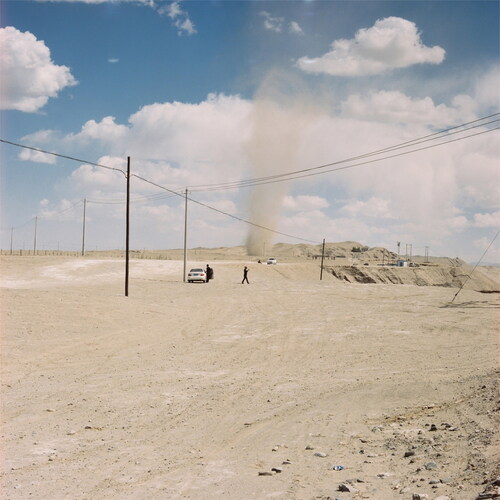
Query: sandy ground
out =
(199, 391)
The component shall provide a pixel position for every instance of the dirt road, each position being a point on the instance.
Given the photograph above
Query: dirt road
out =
(191, 390)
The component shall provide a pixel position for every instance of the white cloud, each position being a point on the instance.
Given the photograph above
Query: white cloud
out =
(29, 77)
(106, 130)
(304, 202)
(180, 18)
(91, 178)
(425, 197)
(272, 23)
(487, 219)
(37, 157)
(487, 95)
(396, 107)
(113, 60)
(392, 42)
(373, 207)
(295, 28)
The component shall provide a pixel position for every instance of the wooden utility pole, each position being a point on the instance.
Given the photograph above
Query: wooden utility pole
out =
(127, 227)
(83, 237)
(322, 258)
(185, 235)
(34, 240)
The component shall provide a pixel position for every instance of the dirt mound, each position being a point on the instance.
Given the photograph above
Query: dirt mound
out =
(482, 280)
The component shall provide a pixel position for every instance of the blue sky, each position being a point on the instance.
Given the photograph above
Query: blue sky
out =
(206, 93)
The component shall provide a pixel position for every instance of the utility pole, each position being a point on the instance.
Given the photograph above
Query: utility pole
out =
(399, 248)
(426, 254)
(127, 227)
(11, 238)
(83, 237)
(322, 258)
(34, 240)
(185, 234)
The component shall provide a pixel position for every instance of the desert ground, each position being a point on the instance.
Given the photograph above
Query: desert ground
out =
(290, 387)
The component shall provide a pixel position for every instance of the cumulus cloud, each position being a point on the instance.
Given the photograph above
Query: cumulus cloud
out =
(272, 23)
(304, 202)
(179, 17)
(487, 219)
(391, 43)
(373, 207)
(29, 76)
(294, 28)
(396, 107)
(424, 197)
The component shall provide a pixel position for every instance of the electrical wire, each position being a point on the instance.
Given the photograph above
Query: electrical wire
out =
(294, 174)
(298, 174)
(62, 156)
(477, 264)
(222, 212)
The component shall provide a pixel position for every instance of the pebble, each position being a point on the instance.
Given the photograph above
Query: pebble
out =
(265, 473)
(409, 453)
(320, 454)
(286, 462)
(309, 447)
(420, 496)
(347, 487)
(278, 470)
(377, 428)
(442, 497)
(430, 466)
(433, 428)
(383, 475)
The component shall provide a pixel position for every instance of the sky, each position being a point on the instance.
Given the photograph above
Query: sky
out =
(285, 121)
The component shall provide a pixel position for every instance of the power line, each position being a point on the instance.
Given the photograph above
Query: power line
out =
(222, 212)
(298, 174)
(61, 156)
(477, 264)
(294, 174)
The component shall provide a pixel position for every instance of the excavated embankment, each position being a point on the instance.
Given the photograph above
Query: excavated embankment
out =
(482, 279)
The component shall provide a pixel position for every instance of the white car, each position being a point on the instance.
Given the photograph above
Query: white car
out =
(271, 261)
(197, 274)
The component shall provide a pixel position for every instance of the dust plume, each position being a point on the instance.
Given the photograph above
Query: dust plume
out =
(279, 115)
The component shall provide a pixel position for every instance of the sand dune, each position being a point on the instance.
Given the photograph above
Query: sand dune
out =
(193, 390)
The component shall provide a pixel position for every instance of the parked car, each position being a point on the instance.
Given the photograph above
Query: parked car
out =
(271, 261)
(197, 274)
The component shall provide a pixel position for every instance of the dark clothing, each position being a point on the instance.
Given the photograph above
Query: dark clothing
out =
(245, 276)
(210, 273)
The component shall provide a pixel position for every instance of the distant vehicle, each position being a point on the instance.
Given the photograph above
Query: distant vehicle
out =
(197, 274)
(271, 261)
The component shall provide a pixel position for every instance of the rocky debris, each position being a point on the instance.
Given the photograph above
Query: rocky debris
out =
(347, 488)
(320, 454)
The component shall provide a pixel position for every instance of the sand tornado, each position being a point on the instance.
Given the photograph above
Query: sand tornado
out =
(278, 119)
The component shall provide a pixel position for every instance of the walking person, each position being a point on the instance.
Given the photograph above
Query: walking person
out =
(245, 275)
(209, 272)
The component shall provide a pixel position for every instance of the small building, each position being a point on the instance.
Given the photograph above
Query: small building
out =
(402, 263)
